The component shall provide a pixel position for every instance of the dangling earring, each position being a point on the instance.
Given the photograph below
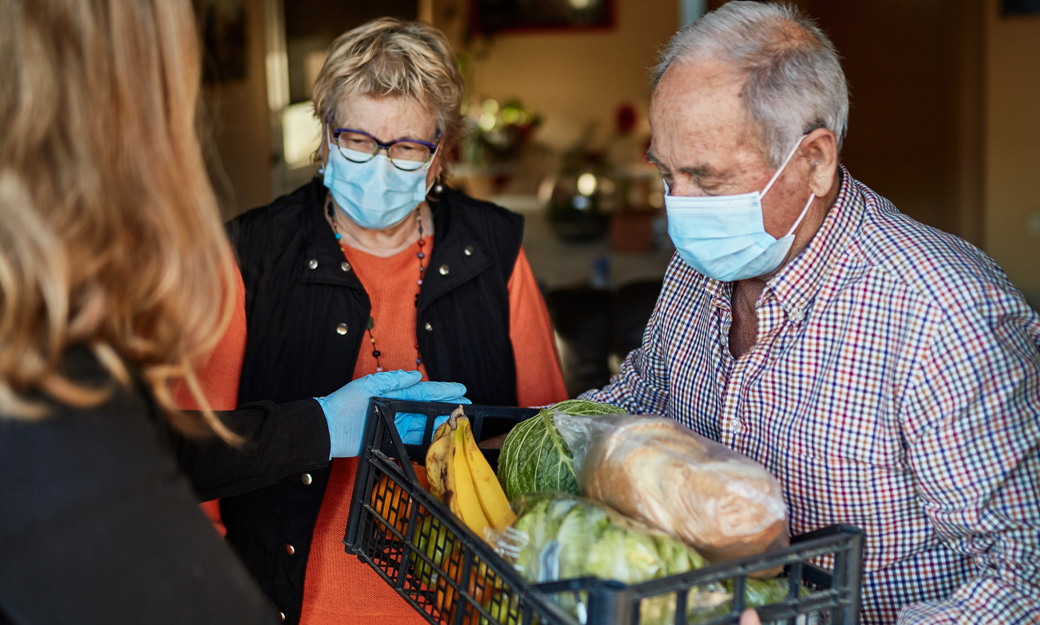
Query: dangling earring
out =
(438, 187)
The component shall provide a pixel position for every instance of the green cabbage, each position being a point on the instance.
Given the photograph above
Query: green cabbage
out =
(564, 537)
(560, 536)
(535, 458)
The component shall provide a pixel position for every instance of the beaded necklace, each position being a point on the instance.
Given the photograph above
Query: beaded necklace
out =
(371, 321)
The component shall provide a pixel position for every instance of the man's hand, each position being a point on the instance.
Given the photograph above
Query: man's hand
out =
(345, 409)
(749, 617)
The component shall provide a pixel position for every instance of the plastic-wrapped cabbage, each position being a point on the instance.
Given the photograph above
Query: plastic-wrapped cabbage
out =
(561, 536)
(535, 458)
(757, 593)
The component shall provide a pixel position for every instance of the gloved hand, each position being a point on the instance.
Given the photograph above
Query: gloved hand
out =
(346, 409)
(412, 426)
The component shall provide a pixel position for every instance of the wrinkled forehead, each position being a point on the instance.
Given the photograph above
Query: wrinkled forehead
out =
(699, 85)
(386, 117)
(699, 103)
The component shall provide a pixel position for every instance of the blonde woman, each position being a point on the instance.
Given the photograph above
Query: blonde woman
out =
(360, 271)
(114, 279)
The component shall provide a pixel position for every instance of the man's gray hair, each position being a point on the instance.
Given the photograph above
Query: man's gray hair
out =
(793, 77)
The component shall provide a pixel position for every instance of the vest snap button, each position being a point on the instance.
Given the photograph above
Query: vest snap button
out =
(313, 263)
(444, 270)
(306, 479)
(345, 266)
(289, 549)
(429, 326)
(468, 251)
(341, 329)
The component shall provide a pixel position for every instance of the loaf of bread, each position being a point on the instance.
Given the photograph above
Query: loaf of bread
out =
(656, 470)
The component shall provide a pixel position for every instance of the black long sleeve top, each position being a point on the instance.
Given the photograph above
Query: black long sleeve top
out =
(99, 520)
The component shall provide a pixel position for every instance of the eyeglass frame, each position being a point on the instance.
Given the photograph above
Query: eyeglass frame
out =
(336, 132)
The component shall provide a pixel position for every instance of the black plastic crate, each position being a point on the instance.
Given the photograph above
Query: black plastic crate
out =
(393, 520)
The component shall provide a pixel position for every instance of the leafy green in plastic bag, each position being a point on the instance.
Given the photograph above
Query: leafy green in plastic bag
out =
(536, 459)
(560, 536)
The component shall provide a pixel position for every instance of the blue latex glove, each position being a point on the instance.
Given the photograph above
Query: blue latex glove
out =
(413, 426)
(346, 409)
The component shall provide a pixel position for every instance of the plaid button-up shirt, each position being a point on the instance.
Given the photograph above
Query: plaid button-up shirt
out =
(894, 385)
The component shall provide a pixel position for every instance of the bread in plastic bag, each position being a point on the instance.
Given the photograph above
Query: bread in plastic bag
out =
(662, 473)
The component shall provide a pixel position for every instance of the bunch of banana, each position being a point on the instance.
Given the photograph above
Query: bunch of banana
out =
(461, 478)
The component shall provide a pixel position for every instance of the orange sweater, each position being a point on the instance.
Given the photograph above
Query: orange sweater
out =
(219, 377)
(338, 588)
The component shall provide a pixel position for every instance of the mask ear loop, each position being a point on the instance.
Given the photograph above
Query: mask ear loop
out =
(780, 170)
(812, 196)
(328, 142)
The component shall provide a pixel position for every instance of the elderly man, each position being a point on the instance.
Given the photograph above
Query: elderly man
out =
(887, 373)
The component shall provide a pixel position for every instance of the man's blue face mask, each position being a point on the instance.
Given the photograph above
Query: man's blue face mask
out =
(724, 236)
(375, 195)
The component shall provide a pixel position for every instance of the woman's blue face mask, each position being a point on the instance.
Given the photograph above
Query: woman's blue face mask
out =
(724, 236)
(375, 194)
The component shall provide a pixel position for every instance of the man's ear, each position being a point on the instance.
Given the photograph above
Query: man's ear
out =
(820, 150)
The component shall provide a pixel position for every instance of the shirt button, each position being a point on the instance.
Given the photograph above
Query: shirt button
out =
(313, 263)
(444, 270)
(306, 479)
(345, 266)
(468, 251)
(341, 329)
(429, 327)
(289, 549)
(737, 427)
(797, 315)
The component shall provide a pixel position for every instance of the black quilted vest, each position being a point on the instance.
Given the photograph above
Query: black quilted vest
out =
(306, 314)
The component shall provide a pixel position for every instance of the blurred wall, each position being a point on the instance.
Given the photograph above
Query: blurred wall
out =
(944, 119)
(915, 118)
(571, 78)
(235, 117)
(1012, 198)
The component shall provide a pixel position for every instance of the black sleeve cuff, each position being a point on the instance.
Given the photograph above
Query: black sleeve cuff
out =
(279, 440)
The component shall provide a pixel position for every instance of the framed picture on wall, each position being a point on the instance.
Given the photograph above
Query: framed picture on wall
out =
(1021, 7)
(494, 16)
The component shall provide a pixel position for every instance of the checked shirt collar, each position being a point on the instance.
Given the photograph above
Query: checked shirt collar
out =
(798, 282)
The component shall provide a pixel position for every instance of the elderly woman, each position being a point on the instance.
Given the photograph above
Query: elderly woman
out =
(376, 265)
(115, 279)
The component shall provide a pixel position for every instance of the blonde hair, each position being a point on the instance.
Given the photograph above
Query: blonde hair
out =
(390, 57)
(110, 235)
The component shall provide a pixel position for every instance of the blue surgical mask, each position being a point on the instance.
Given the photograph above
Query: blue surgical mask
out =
(375, 195)
(724, 236)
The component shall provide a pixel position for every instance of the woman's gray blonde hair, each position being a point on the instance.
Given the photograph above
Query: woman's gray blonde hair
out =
(793, 77)
(390, 57)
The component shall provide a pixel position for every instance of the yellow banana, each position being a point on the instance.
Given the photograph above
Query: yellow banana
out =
(436, 459)
(442, 430)
(492, 498)
(462, 493)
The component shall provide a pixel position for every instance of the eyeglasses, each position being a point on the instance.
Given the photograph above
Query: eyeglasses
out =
(360, 147)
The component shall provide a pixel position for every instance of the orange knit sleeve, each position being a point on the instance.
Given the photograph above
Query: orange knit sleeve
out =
(220, 376)
(539, 378)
